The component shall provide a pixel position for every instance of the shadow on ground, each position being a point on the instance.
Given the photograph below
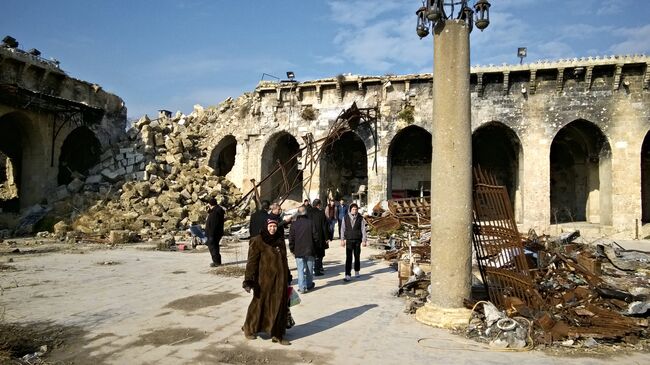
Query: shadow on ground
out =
(327, 322)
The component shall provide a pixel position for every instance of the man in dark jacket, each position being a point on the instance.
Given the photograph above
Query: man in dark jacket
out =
(354, 235)
(319, 221)
(214, 230)
(301, 245)
(342, 212)
(258, 219)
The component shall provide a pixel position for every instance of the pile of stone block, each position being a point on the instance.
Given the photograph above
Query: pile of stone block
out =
(155, 181)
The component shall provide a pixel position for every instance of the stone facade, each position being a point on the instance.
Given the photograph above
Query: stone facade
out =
(566, 137)
(51, 124)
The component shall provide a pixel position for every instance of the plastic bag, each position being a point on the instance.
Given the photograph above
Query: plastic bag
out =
(294, 298)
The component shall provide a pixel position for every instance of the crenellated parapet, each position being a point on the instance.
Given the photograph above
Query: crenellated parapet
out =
(611, 72)
(29, 72)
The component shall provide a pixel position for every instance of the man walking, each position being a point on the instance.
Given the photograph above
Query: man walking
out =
(331, 214)
(319, 221)
(258, 219)
(342, 212)
(214, 230)
(301, 245)
(353, 231)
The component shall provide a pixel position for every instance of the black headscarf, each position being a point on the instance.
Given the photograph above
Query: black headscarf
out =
(271, 239)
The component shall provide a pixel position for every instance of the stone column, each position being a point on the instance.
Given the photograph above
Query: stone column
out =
(451, 179)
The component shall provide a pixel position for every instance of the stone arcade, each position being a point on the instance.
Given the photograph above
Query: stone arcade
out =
(568, 138)
(51, 125)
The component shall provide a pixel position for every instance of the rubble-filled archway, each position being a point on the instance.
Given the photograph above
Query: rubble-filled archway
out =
(409, 163)
(645, 179)
(496, 148)
(281, 147)
(344, 168)
(80, 151)
(581, 175)
(13, 143)
(222, 158)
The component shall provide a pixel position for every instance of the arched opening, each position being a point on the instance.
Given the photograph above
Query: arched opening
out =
(222, 158)
(12, 144)
(581, 175)
(409, 163)
(344, 168)
(645, 179)
(284, 148)
(80, 151)
(497, 149)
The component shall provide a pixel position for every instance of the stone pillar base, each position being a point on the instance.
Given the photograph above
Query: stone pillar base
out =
(456, 318)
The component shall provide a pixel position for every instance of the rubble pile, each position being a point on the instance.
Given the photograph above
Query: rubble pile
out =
(155, 181)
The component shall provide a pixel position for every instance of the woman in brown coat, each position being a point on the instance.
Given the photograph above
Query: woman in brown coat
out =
(267, 274)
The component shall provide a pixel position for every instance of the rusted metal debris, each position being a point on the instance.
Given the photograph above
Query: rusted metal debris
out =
(411, 212)
(558, 284)
(499, 250)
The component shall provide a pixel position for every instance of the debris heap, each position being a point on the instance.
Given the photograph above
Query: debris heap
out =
(153, 182)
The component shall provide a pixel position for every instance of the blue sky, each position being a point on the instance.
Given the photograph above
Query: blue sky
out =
(165, 54)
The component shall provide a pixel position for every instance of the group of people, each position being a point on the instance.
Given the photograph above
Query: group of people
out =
(310, 232)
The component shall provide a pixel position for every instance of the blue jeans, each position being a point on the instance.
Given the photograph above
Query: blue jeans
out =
(330, 224)
(305, 268)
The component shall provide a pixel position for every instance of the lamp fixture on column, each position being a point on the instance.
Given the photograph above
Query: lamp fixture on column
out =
(435, 12)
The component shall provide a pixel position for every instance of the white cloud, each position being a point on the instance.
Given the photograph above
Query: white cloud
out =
(359, 12)
(383, 44)
(599, 7)
(331, 60)
(635, 40)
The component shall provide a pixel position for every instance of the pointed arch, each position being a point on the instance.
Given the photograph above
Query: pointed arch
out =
(80, 151)
(409, 163)
(645, 179)
(283, 147)
(497, 149)
(223, 155)
(581, 175)
(344, 167)
(14, 145)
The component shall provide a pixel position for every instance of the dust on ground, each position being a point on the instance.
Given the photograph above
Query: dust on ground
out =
(108, 263)
(604, 350)
(231, 271)
(169, 337)
(199, 301)
(18, 340)
(5, 267)
(243, 354)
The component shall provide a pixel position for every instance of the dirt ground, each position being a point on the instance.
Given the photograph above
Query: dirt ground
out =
(93, 304)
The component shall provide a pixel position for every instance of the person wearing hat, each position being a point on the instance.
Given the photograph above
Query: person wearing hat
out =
(268, 276)
(301, 244)
(214, 230)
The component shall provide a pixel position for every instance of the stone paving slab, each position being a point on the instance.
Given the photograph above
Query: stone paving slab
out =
(152, 307)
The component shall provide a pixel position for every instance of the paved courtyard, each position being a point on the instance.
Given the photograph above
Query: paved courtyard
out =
(133, 305)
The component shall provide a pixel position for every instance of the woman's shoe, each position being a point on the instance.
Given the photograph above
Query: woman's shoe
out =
(282, 341)
(250, 337)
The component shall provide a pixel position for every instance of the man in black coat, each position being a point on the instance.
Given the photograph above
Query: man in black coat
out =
(214, 230)
(301, 245)
(319, 221)
(258, 219)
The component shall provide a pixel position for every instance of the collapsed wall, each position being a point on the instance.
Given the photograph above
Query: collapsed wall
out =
(153, 182)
